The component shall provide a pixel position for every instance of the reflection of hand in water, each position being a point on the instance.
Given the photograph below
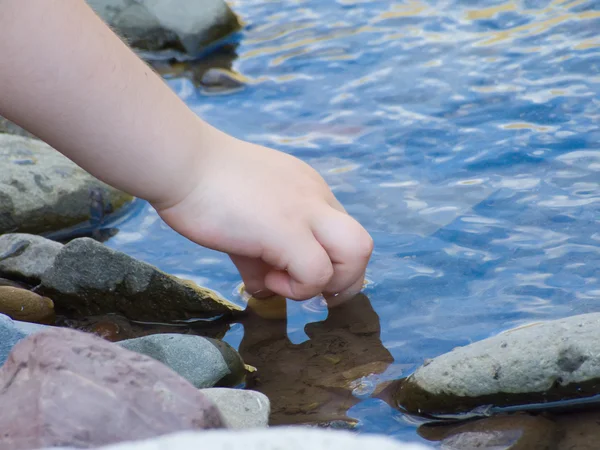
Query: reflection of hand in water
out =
(312, 382)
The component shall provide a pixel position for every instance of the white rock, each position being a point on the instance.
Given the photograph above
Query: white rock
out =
(297, 438)
(241, 408)
(527, 359)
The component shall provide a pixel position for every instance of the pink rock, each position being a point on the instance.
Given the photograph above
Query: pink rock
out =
(64, 387)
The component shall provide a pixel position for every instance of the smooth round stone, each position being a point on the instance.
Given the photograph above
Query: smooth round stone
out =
(27, 306)
(537, 367)
(240, 408)
(204, 362)
(271, 308)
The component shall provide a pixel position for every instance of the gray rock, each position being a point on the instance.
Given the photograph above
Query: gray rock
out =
(88, 278)
(539, 363)
(202, 361)
(6, 126)
(280, 438)
(41, 190)
(26, 256)
(240, 408)
(154, 25)
(65, 387)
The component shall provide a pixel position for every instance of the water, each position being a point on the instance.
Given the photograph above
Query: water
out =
(463, 135)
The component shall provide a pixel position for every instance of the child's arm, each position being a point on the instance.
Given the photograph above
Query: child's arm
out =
(68, 79)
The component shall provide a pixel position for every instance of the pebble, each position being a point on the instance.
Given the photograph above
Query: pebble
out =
(27, 306)
(204, 362)
(240, 408)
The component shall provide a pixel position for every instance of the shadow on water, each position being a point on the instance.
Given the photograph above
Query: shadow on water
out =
(313, 382)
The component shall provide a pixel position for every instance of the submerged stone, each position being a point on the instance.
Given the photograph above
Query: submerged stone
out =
(202, 361)
(66, 388)
(42, 191)
(88, 278)
(529, 367)
(515, 432)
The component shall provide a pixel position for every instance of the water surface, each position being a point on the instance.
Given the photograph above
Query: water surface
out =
(463, 135)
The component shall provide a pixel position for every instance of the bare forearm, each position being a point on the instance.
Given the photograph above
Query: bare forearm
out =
(68, 79)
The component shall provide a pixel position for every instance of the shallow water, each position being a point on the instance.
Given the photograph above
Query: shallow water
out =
(463, 135)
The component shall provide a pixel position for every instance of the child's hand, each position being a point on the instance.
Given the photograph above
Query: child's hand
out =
(277, 219)
(117, 119)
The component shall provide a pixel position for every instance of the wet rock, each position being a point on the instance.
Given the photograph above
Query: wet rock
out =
(8, 127)
(26, 256)
(272, 308)
(41, 190)
(221, 58)
(88, 278)
(538, 364)
(270, 439)
(216, 80)
(68, 388)
(187, 26)
(240, 408)
(202, 361)
(27, 306)
(517, 432)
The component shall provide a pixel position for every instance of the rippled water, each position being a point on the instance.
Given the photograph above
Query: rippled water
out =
(463, 135)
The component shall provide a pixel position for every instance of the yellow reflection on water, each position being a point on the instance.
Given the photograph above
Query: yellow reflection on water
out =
(525, 126)
(588, 44)
(489, 13)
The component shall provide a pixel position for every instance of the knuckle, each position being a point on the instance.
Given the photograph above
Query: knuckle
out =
(365, 245)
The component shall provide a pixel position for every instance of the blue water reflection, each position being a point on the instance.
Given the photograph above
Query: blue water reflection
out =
(463, 135)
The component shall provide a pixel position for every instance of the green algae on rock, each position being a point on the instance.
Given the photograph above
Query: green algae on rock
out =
(41, 190)
(544, 363)
(88, 278)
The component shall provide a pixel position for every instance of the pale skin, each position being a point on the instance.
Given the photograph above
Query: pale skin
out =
(67, 78)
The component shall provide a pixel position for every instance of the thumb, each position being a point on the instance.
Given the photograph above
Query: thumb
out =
(253, 272)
